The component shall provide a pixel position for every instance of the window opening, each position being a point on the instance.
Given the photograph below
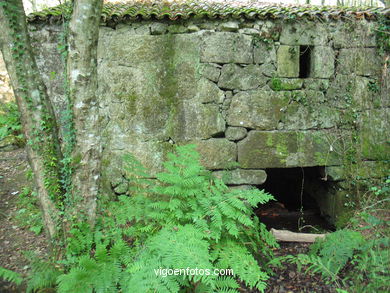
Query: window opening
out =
(305, 61)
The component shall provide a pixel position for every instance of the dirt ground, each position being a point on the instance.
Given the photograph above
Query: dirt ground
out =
(14, 239)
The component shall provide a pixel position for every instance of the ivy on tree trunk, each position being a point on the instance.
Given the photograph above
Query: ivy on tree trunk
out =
(37, 115)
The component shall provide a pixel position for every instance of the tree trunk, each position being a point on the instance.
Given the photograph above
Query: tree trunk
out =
(82, 77)
(37, 115)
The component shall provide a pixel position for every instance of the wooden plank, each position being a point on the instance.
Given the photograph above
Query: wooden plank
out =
(288, 236)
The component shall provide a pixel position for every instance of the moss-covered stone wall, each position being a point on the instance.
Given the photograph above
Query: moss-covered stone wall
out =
(256, 94)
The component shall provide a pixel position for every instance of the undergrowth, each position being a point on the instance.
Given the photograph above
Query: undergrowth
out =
(10, 276)
(10, 121)
(184, 218)
(356, 258)
(28, 214)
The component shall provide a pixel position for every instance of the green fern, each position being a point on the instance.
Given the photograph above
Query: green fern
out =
(10, 276)
(43, 274)
(187, 195)
(334, 255)
(369, 258)
(183, 218)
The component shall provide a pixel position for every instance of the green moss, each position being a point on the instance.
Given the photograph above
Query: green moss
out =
(169, 86)
(131, 106)
(320, 159)
(269, 140)
(276, 84)
(282, 151)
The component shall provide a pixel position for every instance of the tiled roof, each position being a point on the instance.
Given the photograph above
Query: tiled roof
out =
(118, 12)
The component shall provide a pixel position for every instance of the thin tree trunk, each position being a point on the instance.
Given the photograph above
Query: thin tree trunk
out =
(82, 76)
(37, 115)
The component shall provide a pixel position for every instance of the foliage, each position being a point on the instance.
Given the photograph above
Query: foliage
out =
(357, 258)
(29, 215)
(10, 276)
(9, 120)
(43, 273)
(382, 33)
(185, 218)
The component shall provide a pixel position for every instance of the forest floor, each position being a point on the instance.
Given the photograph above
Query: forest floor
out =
(14, 240)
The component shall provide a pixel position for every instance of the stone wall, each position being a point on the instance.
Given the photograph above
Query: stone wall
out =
(258, 94)
(6, 93)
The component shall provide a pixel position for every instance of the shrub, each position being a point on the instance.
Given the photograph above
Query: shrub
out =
(9, 120)
(184, 218)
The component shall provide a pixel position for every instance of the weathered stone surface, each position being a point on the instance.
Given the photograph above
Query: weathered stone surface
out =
(264, 53)
(249, 31)
(235, 133)
(312, 33)
(268, 69)
(227, 47)
(257, 109)
(316, 84)
(229, 26)
(151, 154)
(348, 91)
(354, 34)
(361, 61)
(122, 188)
(142, 30)
(375, 134)
(273, 149)
(242, 176)
(211, 71)
(208, 92)
(193, 28)
(334, 173)
(307, 110)
(310, 116)
(177, 29)
(241, 187)
(217, 153)
(288, 61)
(198, 121)
(243, 78)
(157, 89)
(322, 62)
(158, 28)
(286, 84)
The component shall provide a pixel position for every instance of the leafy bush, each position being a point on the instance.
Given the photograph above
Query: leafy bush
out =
(10, 276)
(185, 218)
(9, 120)
(29, 215)
(358, 258)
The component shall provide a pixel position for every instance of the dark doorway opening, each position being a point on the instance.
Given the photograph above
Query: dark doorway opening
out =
(295, 208)
(304, 61)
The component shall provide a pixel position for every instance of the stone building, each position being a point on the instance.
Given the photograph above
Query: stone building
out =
(270, 92)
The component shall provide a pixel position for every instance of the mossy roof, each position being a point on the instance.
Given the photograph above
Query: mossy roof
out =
(118, 12)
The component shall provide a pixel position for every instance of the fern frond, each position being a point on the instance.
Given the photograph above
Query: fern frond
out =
(10, 276)
(232, 255)
(43, 275)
